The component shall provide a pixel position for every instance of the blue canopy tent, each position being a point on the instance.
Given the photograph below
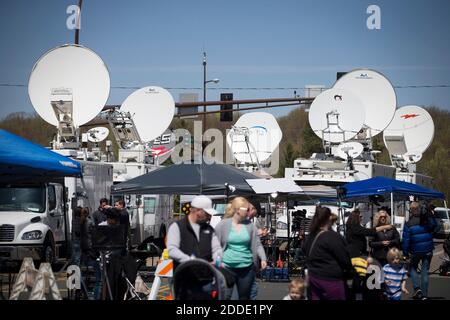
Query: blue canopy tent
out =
(361, 191)
(22, 159)
(400, 190)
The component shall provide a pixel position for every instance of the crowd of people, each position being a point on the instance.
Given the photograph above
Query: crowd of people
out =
(334, 261)
(337, 266)
(234, 245)
(86, 254)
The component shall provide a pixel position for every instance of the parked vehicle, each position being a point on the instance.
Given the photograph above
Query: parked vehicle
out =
(36, 217)
(150, 214)
(442, 215)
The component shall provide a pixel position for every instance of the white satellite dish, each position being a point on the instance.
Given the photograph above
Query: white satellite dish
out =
(375, 92)
(152, 109)
(76, 71)
(97, 134)
(336, 115)
(352, 149)
(254, 134)
(417, 128)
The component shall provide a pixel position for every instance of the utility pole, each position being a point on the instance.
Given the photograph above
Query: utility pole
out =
(77, 29)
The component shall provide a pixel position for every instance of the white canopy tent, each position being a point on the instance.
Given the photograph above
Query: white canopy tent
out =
(288, 186)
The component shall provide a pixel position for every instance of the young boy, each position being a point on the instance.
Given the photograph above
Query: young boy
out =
(394, 275)
(296, 290)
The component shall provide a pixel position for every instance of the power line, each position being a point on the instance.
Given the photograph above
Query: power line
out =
(240, 88)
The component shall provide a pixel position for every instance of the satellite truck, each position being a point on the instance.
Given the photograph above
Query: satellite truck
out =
(41, 229)
(141, 131)
(68, 87)
(361, 105)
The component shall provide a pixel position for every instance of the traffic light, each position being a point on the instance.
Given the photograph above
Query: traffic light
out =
(226, 116)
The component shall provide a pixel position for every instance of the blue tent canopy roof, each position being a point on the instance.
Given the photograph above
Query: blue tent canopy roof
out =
(22, 158)
(359, 190)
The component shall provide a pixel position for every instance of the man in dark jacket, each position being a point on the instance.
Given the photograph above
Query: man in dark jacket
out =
(99, 216)
(418, 245)
(124, 219)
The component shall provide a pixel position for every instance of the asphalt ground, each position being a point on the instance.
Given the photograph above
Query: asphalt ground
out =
(439, 286)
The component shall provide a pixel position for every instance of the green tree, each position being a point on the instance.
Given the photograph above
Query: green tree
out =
(288, 157)
(311, 142)
(30, 127)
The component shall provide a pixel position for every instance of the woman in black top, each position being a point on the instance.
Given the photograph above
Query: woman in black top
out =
(327, 258)
(356, 234)
(383, 240)
(357, 246)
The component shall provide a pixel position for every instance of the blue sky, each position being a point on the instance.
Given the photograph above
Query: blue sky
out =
(253, 43)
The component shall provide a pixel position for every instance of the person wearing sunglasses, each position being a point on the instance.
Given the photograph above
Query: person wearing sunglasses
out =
(241, 246)
(383, 240)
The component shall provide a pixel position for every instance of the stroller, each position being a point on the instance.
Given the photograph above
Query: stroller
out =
(197, 279)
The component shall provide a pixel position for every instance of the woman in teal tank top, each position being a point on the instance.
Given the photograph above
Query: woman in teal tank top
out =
(241, 245)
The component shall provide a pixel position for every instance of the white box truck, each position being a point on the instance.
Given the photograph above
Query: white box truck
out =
(36, 216)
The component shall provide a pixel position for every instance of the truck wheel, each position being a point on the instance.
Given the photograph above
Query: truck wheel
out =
(48, 251)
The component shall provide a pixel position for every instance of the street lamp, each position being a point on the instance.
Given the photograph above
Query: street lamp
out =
(204, 89)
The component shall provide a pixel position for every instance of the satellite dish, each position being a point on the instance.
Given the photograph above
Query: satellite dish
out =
(254, 134)
(78, 74)
(152, 109)
(162, 147)
(97, 134)
(376, 94)
(352, 149)
(417, 128)
(336, 115)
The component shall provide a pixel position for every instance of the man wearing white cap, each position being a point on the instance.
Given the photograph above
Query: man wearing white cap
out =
(193, 237)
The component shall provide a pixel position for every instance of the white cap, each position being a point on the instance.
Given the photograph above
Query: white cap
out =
(205, 203)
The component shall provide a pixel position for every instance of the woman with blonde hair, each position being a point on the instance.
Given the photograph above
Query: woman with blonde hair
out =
(384, 239)
(241, 245)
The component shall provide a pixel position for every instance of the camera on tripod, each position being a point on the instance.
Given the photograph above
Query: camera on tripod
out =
(298, 217)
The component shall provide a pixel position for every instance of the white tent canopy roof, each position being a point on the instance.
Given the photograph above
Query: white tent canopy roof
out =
(286, 185)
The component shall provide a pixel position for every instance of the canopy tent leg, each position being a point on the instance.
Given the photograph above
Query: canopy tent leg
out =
(392, 208)
(288, 233)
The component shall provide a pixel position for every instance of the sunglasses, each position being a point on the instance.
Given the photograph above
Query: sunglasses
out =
(244, 209)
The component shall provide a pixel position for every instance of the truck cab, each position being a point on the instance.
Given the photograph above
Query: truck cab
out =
(32, 221)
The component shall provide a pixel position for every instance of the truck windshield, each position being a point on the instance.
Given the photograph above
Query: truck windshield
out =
(441, 214)
(29, 199)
